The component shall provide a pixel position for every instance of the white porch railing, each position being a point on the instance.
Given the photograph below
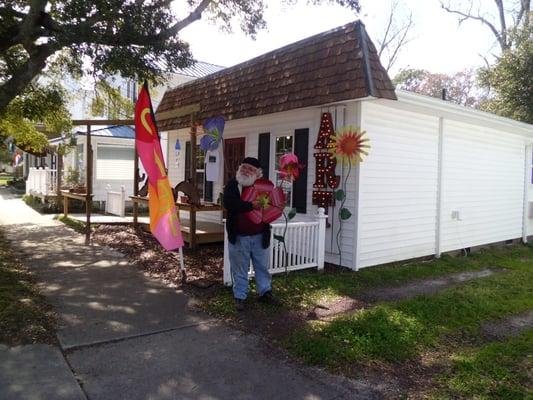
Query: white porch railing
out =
(305, 243)
(41, 181)
(115, 201)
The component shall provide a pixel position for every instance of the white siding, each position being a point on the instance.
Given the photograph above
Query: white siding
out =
(276, 124)
(103, 178)
(483, 180)
(398, 185)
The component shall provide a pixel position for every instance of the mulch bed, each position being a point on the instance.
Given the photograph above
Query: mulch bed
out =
(204, 267)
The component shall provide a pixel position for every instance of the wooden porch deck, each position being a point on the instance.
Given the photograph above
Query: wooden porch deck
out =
(206, 232)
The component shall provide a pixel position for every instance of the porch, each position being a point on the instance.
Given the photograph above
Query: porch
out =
(42, 182)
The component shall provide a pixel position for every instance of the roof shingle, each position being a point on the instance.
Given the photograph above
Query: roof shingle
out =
(341, 64)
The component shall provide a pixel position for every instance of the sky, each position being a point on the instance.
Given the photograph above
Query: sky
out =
(438, 43)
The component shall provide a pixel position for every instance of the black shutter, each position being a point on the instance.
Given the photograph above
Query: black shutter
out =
(299, 187)
(187, 161)
(264, 153)
(208, 190)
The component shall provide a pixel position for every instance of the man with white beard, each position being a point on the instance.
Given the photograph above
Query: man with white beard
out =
(247, 241)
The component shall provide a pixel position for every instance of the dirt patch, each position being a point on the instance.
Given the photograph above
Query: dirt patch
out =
(270, 322)
(204, 267)
(508, 327)
(343, 305)
(426, 286)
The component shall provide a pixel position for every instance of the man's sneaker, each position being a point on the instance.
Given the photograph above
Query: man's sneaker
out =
(268, 298)
(240, 304)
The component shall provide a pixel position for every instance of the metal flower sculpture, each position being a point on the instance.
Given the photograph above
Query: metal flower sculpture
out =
(350, 145)
(213, 128)
(290, 167)
(270, 199)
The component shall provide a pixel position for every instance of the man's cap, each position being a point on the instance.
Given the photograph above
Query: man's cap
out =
(254, 162)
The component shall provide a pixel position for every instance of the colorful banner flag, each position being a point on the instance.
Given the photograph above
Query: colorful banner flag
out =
(164, 223)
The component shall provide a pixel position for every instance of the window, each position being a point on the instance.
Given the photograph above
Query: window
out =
(283, 145)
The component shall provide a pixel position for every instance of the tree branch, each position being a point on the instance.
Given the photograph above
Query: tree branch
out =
(468, 15)
(27, 28)
(25, 73)
(195, 15)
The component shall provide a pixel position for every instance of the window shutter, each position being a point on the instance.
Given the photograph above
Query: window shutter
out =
(208, 190)
(264, 153)
(187, 161)
(299, 187)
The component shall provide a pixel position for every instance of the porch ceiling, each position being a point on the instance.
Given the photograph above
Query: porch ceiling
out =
(338, 65)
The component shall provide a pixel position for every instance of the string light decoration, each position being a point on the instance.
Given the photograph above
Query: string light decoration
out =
(325, 164)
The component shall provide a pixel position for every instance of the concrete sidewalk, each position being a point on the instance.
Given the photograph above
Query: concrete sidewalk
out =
(125, 336)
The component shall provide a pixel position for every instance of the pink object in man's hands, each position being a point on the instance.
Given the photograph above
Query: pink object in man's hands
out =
(270, 198)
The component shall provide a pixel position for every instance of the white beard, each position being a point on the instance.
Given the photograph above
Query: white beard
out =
(244, 180)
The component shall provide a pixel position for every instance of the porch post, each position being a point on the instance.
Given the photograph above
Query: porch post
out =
(89, 185)
(192, 213)
(227, 267)
(135, 185)
(321, 245)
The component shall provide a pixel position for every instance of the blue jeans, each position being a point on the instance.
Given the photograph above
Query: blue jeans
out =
(240, 253)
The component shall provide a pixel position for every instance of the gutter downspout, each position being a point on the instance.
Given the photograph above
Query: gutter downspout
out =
(357, 173)
(527, 180)
(438, 228)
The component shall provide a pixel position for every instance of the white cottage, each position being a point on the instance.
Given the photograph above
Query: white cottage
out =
(439, 177)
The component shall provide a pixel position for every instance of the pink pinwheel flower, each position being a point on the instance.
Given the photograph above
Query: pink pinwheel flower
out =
(289, 167)
(270, 199)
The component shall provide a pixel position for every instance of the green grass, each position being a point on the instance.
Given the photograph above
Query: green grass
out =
(492, 371)
(73, 223)
(446, 324)
(397, 331)
(25, 317)
(4, 179)
(303, 289)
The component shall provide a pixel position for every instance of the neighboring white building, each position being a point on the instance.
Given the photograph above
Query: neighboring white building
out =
(439, 177)
(113, 147)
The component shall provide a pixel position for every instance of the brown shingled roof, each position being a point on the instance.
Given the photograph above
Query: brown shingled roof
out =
(337, 65)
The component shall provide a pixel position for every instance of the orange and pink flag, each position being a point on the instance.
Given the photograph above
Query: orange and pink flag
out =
(164, 223)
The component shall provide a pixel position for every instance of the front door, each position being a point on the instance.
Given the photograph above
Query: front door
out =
(233, 155)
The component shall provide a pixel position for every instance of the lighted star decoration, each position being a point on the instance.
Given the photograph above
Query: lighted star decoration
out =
(349, 146)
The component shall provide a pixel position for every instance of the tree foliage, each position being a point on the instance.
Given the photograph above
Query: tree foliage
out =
(460, 87)
(39, 106)
(132, 38)
(510, 80)
(108, 101)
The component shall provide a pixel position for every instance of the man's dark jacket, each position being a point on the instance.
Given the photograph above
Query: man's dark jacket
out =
(233, 203)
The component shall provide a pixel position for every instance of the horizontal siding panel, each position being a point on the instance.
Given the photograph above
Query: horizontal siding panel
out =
(383, 230)
(394, 254)
(398, 185)
(483, 180)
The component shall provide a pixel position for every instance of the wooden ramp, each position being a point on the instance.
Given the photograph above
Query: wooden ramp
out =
(206, 232)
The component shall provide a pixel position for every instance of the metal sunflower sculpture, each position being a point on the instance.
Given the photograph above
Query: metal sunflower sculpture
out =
(349, 147)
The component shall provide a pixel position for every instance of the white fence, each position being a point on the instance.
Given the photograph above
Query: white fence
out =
(41, 182)
(115, 201)
(305, 247)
